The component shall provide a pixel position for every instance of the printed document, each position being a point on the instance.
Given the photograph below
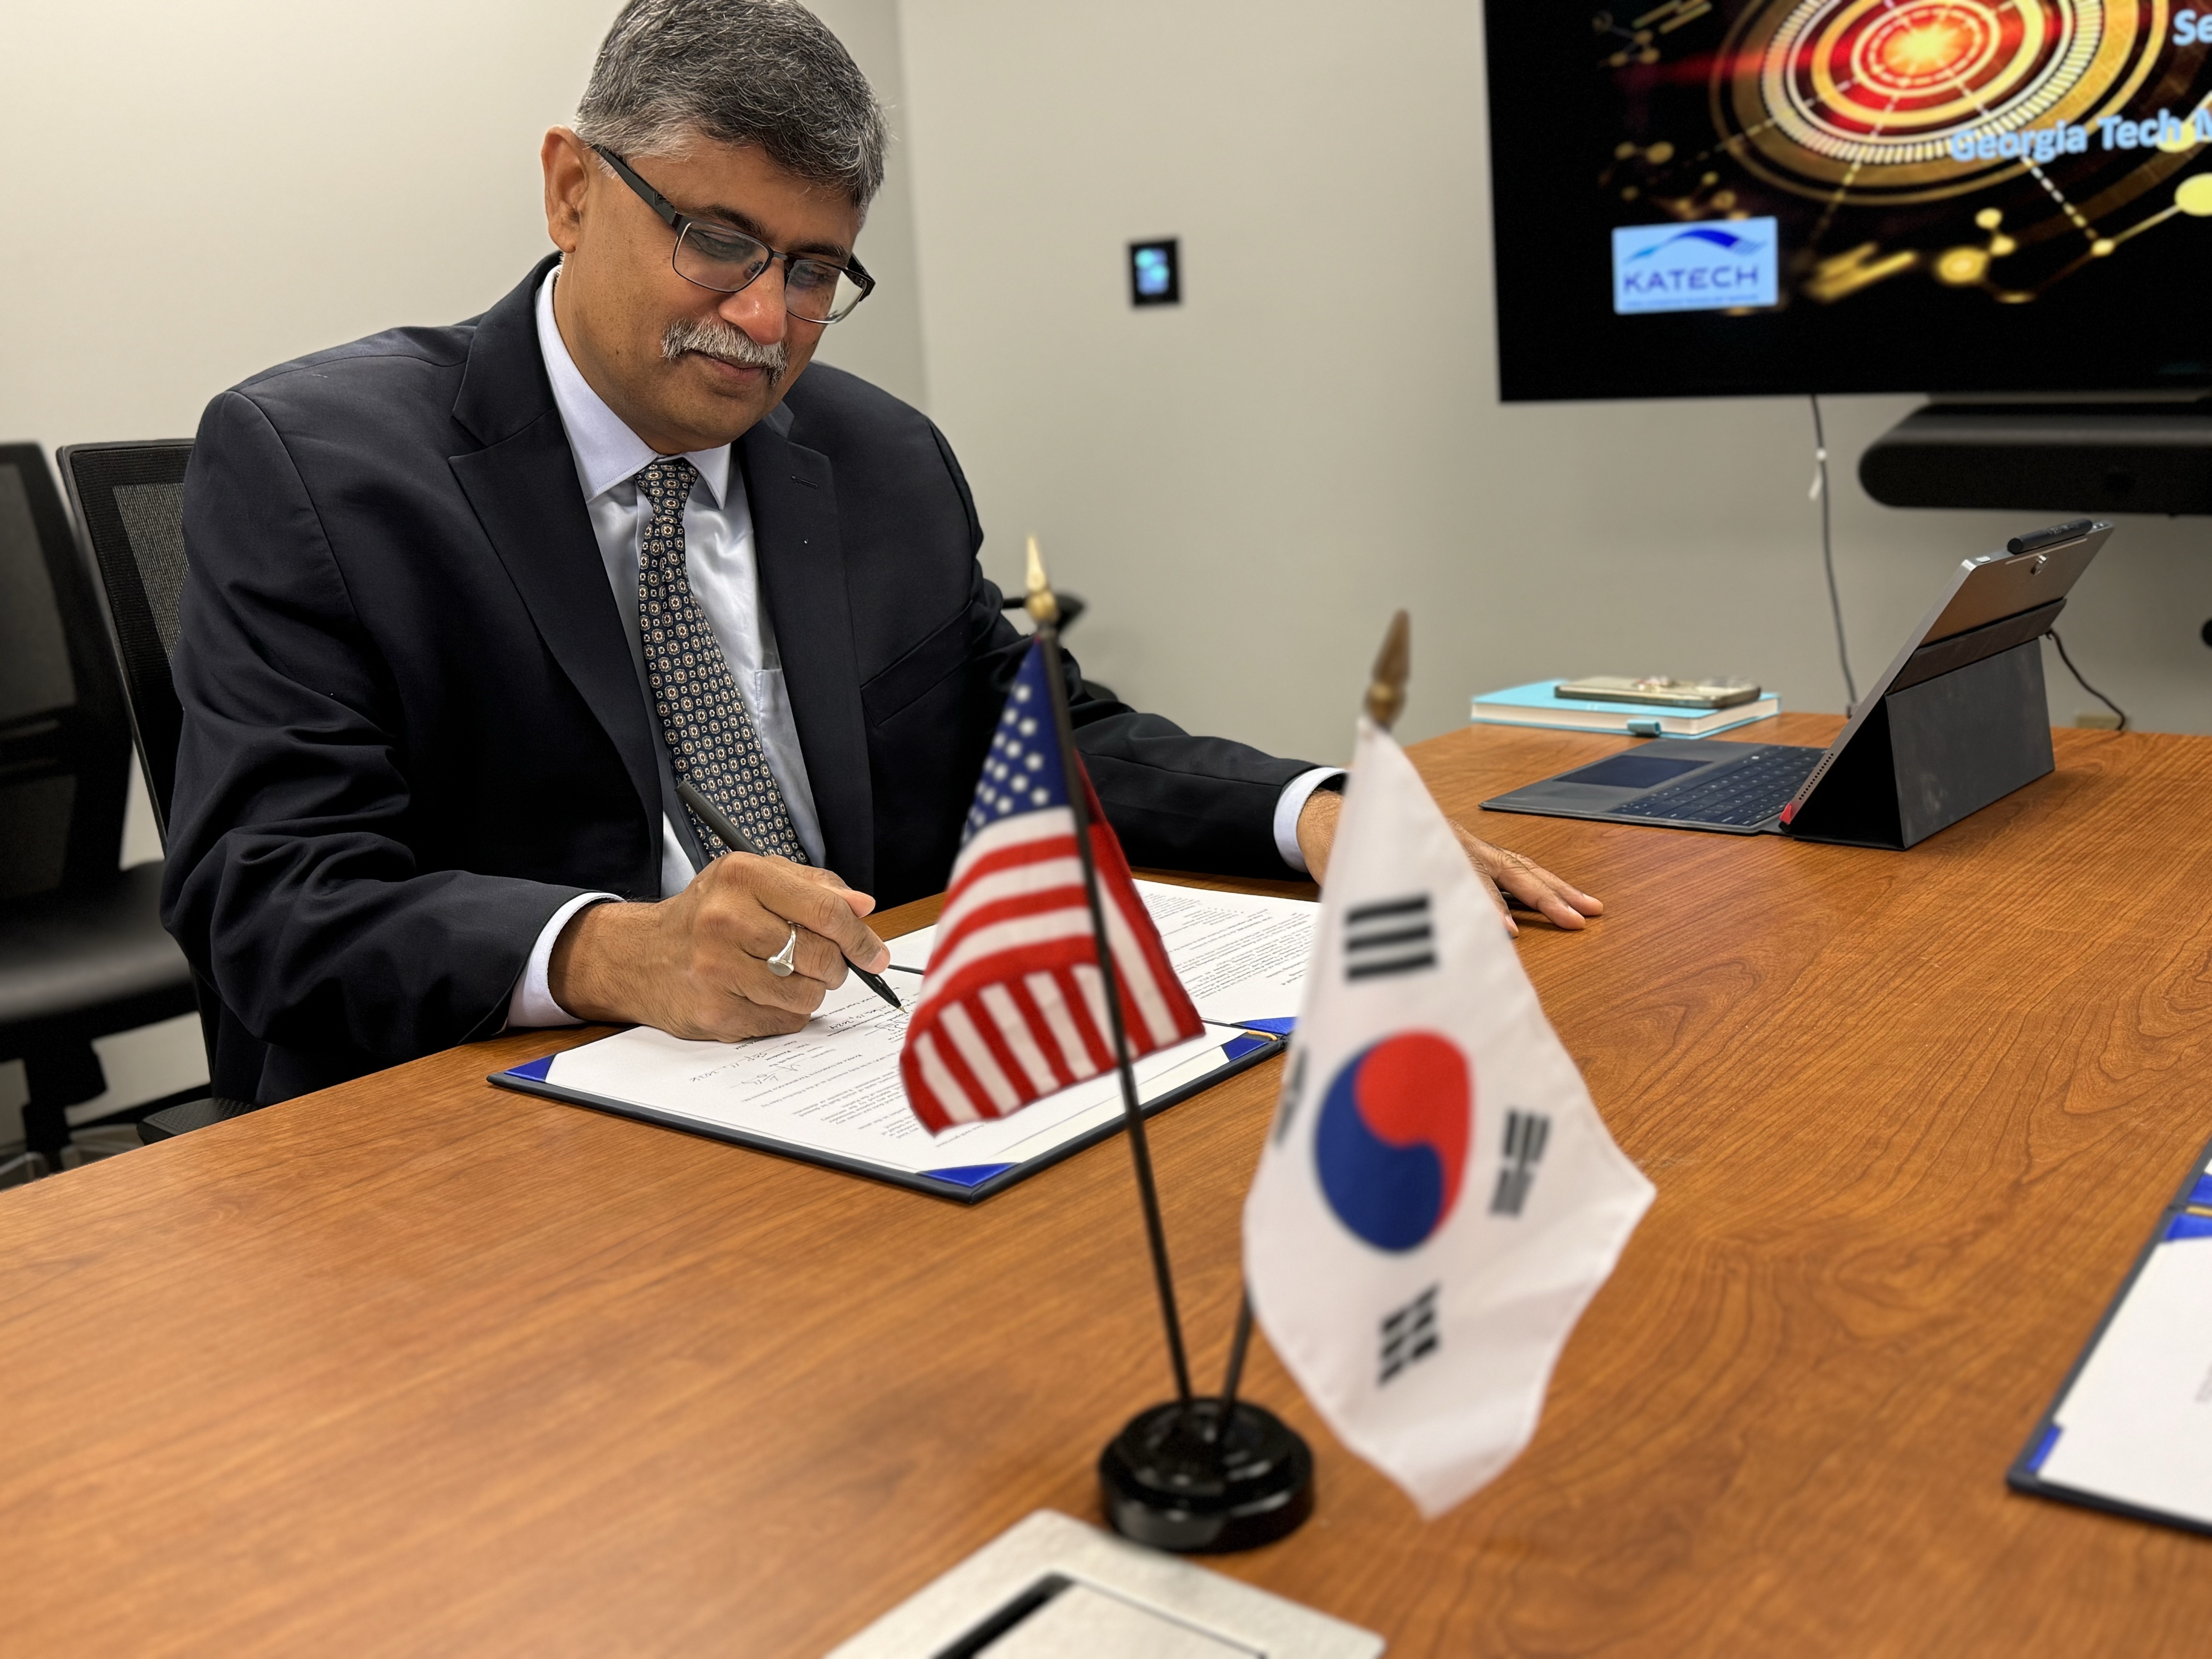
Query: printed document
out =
(833, 1087)
(1241, 956)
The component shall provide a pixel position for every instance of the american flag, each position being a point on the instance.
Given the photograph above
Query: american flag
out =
(1013, 1008)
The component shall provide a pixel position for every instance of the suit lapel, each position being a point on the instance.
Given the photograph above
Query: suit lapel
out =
(523, 486)
(802, 577)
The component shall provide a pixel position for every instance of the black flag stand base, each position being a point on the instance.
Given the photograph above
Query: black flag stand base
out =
(1208, 1476)
(1175, 1480)
(1194, 1474)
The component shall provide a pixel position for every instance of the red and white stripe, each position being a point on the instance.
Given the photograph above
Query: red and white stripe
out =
(1013, 1008)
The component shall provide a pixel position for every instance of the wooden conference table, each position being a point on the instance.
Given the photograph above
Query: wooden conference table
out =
(418, 1366)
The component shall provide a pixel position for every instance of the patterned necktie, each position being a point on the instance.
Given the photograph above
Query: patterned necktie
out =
(710, 735)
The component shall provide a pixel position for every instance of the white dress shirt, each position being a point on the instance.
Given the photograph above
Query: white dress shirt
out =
(718, 555)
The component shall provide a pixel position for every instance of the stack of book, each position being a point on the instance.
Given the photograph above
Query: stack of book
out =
(1537, 704)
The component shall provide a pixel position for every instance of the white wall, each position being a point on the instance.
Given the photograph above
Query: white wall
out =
(1245, 486)
(882, 341)
(202, 191)
(198, 191)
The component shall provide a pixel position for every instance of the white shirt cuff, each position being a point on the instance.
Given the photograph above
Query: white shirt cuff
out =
(532, 1003)
(1291, 803)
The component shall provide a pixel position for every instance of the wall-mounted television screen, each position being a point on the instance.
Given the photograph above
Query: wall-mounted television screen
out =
(1711, 196)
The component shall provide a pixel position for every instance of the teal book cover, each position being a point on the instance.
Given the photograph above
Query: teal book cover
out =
(1534, 704)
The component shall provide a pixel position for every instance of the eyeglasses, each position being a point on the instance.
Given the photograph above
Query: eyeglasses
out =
(814, 290)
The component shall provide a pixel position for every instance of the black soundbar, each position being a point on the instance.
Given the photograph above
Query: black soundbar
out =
(2103, 457)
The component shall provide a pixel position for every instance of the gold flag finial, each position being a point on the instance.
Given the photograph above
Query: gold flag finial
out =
(1044, 609)
(1386, 692)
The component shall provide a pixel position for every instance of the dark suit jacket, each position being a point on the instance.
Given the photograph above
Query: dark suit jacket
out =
(413, 727)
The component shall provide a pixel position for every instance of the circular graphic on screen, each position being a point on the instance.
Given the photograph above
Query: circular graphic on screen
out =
(1391, 1143)
(1858, 101)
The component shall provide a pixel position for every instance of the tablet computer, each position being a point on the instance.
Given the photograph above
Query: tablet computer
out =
(1957, 720)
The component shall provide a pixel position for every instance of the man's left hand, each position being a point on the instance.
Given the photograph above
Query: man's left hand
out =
(1522, 878)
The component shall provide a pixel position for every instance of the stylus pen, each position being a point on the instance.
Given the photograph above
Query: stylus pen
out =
(738, 839)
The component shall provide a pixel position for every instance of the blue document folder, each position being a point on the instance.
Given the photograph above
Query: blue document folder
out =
(1041, 1136)
(2128, 1432)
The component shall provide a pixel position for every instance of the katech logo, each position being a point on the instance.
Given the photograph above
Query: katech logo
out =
(1706, 267)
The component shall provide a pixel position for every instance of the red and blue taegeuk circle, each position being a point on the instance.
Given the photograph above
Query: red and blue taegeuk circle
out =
(1391, 1144)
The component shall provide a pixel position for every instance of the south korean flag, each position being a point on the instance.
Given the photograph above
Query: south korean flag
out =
(1438, 1199)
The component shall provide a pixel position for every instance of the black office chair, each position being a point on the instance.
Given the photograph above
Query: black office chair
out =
(82, 954)
(128, 502)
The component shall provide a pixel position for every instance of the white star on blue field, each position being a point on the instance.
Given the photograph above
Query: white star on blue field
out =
(1022, 773)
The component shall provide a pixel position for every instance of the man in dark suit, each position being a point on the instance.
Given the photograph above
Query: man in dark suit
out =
(466, 603)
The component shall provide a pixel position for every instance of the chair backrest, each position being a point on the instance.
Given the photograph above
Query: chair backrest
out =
(129, 499)
(64, 741)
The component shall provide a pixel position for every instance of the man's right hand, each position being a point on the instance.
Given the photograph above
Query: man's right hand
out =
(697, 965)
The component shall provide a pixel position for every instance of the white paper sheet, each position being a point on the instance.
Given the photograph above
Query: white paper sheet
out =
(833, 1087)
(2137, 1427)
(1241, 956)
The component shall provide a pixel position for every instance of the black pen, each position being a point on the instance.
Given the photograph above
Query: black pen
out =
(738, 841)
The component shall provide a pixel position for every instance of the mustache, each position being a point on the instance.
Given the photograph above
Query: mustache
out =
(712, 337)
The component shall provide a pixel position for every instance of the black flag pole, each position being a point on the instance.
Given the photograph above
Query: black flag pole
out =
(1237, 1345)
(1045, 610)
(1192, 1474)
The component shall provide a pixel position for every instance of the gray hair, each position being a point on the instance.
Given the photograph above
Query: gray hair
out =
(765, 73)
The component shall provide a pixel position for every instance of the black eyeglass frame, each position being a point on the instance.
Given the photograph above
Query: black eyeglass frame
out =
(681, 223)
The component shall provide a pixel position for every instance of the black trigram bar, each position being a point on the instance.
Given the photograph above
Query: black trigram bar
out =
(1410, 1333)
(1391, 936)
(1526, 1133)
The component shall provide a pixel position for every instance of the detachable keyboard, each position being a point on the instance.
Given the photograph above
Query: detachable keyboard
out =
(1749, 792)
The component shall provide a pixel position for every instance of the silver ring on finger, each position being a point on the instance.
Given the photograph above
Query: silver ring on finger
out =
(782, 963)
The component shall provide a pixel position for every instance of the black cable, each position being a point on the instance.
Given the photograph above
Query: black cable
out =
(2085, 684)
(1828, 552)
